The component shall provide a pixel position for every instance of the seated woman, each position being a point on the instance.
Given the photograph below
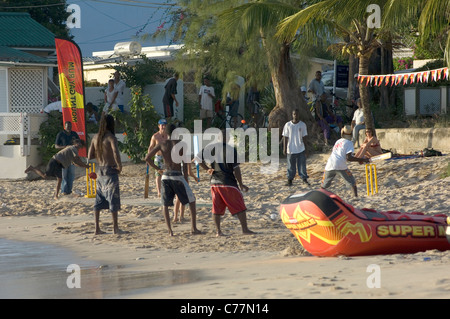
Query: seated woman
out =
(370, 147)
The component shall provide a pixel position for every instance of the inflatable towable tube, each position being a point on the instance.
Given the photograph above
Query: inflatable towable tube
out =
(327, 226)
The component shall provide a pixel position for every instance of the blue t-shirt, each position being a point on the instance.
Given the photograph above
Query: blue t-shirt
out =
(65, 139)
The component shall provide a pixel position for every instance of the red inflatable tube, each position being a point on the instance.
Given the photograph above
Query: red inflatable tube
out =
(327, 226)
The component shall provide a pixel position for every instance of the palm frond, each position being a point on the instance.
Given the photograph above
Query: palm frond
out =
(254, 17)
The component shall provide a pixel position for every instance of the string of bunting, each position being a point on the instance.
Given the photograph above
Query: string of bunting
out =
(405, 78)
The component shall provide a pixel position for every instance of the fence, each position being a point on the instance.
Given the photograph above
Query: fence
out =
(23, 126)
(427, 101)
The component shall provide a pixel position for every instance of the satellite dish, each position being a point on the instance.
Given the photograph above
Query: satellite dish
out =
(127, 48)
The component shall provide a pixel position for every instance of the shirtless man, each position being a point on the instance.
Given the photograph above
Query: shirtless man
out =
(173, 180)
(104, 148)
(156, 139)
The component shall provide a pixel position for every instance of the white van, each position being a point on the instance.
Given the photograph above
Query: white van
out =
(327, 79)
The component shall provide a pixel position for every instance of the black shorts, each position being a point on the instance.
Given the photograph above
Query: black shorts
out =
(175, 184)
(54, 168)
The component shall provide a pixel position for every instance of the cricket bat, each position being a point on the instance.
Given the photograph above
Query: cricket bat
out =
(196, 150)
(147, 180)
(381, 157)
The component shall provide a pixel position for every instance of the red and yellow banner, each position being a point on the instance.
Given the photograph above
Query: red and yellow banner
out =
(405, 78)
(71, 83)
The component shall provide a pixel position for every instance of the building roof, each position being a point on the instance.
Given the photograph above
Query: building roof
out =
(16, 56)
(19, 30)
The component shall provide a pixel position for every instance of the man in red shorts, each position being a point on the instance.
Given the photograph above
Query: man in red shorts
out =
(225, 177)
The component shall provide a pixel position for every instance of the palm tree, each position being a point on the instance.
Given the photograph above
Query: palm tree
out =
(259, 19)
(344, 19)
(434, 18)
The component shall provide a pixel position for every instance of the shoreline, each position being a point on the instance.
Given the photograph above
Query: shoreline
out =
(268, 265)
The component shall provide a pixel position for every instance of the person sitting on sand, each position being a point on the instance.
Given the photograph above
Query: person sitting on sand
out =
(225, 177)
(60, 160)
(337, 162)
(370, 147)
(173, 180)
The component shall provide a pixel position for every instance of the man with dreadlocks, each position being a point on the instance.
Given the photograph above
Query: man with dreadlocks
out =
(104, 148)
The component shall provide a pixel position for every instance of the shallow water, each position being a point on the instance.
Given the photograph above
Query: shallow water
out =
(37, 271)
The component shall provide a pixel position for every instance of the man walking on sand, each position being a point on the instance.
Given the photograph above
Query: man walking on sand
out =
(104, 148)
(59, 161)
(173, 180)
(225, 177)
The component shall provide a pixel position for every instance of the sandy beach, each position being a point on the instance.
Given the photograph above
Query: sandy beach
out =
(268, 265)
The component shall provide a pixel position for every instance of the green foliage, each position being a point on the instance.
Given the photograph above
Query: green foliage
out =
(50, 128)
(143, 72)
(191, 113)
(47, 135)
(139, 125)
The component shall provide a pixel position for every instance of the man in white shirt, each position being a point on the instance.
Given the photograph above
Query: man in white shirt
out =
(337, 162)
(205, 99)
(294, 147)
(119, 86)
(358, 123)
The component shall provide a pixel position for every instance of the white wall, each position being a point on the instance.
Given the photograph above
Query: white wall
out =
(3, 90)
(155, 91)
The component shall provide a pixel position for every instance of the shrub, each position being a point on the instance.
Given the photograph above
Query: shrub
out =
(138, 126)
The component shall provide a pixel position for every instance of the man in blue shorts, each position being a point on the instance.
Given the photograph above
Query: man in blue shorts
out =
(104, 148)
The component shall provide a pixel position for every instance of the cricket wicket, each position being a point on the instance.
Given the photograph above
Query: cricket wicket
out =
(371, 179)
(91, 184)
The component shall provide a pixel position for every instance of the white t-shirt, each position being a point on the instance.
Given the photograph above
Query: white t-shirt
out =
(206, 101)
(358, 116)
(119, 87)
(338, 157)
(109, 97)
(295, 133)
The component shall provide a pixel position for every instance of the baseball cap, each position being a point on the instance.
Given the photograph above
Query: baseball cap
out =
(162, 122)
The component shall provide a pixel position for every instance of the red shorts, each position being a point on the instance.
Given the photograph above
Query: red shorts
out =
(225, 196)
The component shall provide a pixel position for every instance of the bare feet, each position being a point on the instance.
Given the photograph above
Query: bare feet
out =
(29, 169)
(195, 231)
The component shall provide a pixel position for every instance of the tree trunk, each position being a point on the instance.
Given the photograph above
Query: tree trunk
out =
(287, 92)
(364, 92)
(387, 96)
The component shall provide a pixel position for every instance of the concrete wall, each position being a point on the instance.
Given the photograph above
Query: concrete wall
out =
(410, 140)
(13, 164)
